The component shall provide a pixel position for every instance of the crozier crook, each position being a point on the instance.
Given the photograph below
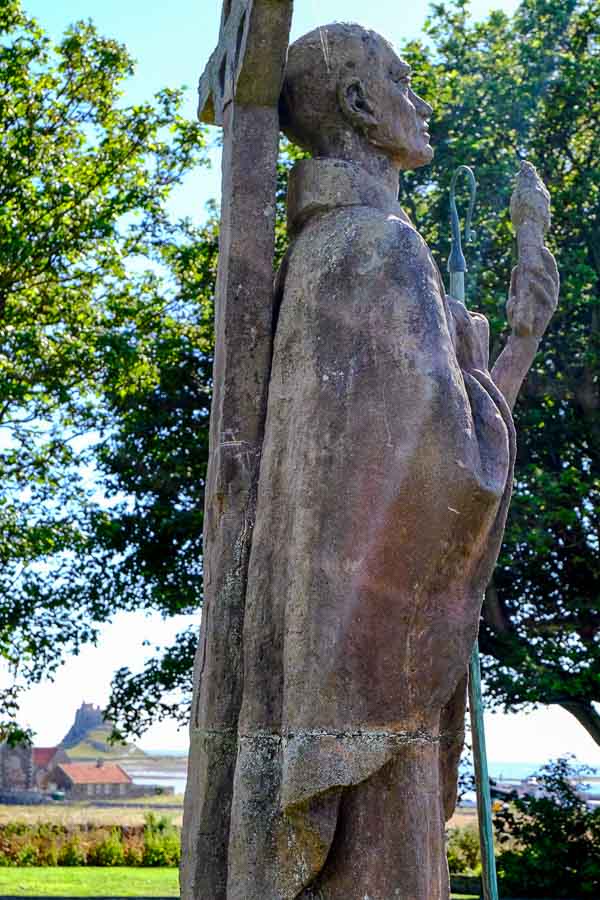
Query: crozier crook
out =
(457, 265)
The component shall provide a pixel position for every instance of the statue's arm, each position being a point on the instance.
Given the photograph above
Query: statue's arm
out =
(534, 284)
(532, 301)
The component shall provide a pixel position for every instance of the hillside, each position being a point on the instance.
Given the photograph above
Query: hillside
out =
(95, 746)
(88, 738)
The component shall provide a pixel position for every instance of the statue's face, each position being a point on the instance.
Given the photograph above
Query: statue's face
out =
(345, 76)
(399, 117)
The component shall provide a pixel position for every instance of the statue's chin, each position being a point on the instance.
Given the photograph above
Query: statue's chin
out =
(417, 158)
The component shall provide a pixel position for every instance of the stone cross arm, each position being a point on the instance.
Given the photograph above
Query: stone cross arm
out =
(248, 62)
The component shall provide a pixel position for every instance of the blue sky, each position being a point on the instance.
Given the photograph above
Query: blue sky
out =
(171, 43)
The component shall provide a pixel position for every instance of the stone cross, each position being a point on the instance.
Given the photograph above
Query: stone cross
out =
(239, 91)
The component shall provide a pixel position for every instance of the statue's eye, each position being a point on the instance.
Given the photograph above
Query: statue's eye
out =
(402, 79)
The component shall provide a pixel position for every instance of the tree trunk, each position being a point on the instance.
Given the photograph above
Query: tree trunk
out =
(586, 715)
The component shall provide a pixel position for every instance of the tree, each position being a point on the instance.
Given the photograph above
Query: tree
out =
(550, 844)
(504, 89)
(155, 459)
(91, 267)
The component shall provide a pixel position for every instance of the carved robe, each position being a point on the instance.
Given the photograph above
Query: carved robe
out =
(384, 484)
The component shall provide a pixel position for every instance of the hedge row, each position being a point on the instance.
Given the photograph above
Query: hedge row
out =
(157, 843)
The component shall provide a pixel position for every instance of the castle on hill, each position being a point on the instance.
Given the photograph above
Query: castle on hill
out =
(87, 718)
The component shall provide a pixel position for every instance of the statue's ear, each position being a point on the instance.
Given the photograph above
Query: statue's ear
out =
(354, 103)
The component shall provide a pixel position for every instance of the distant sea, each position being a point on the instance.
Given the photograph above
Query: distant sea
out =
(172, 780)
(161, 752)
(172, 774)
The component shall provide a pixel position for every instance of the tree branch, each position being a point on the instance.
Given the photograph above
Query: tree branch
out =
(586, 715)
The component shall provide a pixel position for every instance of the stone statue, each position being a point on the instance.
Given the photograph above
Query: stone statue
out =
(385, 479)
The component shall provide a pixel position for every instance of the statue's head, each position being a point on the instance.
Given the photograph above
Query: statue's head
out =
(343, 82)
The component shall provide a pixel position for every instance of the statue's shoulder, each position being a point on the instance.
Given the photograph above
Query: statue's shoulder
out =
(363, 236)
(343, 222)
(345, 228)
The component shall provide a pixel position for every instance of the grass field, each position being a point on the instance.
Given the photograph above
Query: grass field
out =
(89, 882)
(463, 816)
(86, 814)
(132, 813)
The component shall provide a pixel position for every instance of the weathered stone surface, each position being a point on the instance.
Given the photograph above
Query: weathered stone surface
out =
(385, 478)
(530, 215)
(384, 482)
(239, 90)
(243, 321)
(248, 63)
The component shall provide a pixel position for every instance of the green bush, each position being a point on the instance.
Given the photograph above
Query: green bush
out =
(157, 843)
(157, 824)
(162, 843)
(49, 830)
(134, 853)
(47, 853)
(72, 853)
(12, 828)
(108, 852)
(161, 850)
(550, 845)
(464, 856)
(27, 855)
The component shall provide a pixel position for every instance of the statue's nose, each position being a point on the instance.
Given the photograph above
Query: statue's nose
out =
(423, 108)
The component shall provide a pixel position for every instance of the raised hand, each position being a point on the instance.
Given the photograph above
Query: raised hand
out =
(535, 281)
(534, 284)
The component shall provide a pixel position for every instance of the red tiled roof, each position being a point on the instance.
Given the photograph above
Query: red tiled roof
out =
(43, 755)
(91, 773)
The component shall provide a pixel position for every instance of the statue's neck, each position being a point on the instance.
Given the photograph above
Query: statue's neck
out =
(320, 185)
(354, 148)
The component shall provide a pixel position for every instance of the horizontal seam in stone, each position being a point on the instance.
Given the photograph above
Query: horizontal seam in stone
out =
(401, 736)
(215, 732)
(453, 733)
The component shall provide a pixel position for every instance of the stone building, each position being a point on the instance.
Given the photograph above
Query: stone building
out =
(27, 768)
(16, 767)
(87, 718)
(44, 760)
(82, 781)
